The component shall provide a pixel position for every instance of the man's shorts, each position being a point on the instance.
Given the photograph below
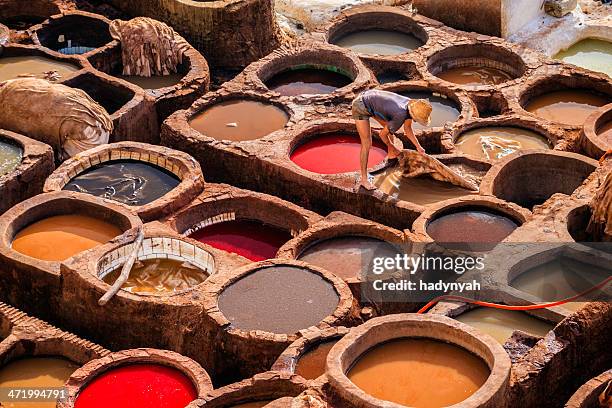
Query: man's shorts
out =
(360, 112)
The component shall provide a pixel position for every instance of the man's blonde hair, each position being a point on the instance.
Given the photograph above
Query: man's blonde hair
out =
(420, 111)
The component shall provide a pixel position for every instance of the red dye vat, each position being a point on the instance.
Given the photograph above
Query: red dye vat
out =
(252, 239)
(138, 386)
(336, 153)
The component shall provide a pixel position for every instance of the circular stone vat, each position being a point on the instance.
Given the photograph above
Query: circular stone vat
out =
(10, 156)
(74, 33)
(378, 42)
(590, 394)
(153, 82)
(278, 299)
(530, 178)
(444, 110)
(476, 65)
(597, 136)
(333, 153)
(569, 106)
(495, 142)
(308, 80)
(418, 360)
(251, 239)
(590, 53)
(35, 66)
(164, 266)
(239, 120)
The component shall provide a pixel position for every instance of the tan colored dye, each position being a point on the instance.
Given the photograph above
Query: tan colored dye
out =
(159, 276)
(570, 107)
(254, 404)
(419, 373)
(311, 365)
(500, 324)
(493, 143)
(36, 372)
(473, 76)
(34, 66)
(154, 82)
(59, 237)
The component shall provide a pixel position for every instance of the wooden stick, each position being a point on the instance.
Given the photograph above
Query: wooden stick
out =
(125, 271)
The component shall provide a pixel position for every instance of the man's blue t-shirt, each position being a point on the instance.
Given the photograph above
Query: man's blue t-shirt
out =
(388, 106)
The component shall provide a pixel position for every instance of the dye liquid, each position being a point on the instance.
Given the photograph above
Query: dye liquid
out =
(570, 107)
(10, 157)
(35, 372)
(311, 365)
(251, 239)
(335, 153)
(419, 373)
(307, 81)
(34, 66)
(153, 82)
(493, 143)
(279, 299)
(239, 120)
(159, 276)
(444, 110)
(348, 257)
(138, 386)
(129, 182)
(381, 42)
(59, 237)
(474, 76)
(420, 190)
(500, 324)
(589, 53)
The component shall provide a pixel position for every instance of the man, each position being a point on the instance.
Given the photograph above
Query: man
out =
(391, 111)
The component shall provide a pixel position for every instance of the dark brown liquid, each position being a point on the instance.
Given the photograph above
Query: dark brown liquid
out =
(571, 107)
(154, 82)
(311, 365)
(605, 133)
(307, 81)
(473, 75)
(129, 182)
(419, 373)
(239, 120)
(348, 257)
(159, 276)
(279, 299)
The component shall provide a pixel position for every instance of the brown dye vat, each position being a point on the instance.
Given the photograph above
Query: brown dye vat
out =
(10, 157)
(419, 373)
(347, 257)
(35, 372)
(495, 142)
(34, 66)
(239, 120)
(475, 75)
(307, 81)
(153, 82)
(570, 107)
(278, 299)
(311, 365)
(605, 133)
(500, 324)
(420, 190)
(159, 276)
(381, 42)
(59, 237)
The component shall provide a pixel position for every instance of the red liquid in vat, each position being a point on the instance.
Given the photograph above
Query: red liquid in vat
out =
(336, 153)
(253, 240)
(138, 386)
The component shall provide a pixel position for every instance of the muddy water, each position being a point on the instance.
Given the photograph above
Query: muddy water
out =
(421, 190)
(159, 276)
(348, 257)
(444, 109)
(493, 143)
(334, 153)
(10, 157)
(589, 53)
(307, 81)
(500, 324)
(127, 181)
(570, 107)
(154, 82)
(311, 365)
(253, 240)
(473, 76)
(561, 279)
(381, 42)
(34, 66)
(278, 299)
(62, 236)
(419, 373)
(138, 386)
(604, 133)
(35, 372)
(240, 120)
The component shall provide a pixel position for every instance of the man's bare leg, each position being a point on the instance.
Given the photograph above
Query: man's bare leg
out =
(365, 134)
(389, 140)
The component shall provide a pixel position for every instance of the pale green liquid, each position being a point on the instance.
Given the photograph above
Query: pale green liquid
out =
(590, 53)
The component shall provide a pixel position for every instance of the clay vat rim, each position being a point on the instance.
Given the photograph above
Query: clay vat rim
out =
(589, 390)
(464, 336)
(221, 282)
(592, 125)
(189, 368)
(28, 50)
